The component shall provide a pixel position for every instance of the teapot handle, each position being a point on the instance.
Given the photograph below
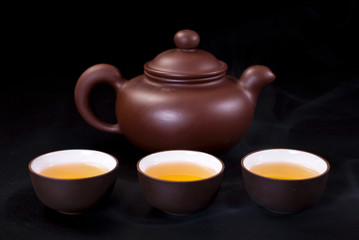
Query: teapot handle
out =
(99, 73)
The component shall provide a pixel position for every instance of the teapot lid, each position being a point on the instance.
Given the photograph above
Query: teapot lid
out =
(185, 62)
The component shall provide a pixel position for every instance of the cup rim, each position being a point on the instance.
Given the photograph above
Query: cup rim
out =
(174, 181)
(75, 179)
(287, 149)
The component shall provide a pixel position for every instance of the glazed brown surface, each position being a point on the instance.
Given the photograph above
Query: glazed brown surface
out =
(282, 195)
(183, 100)
(75, 195)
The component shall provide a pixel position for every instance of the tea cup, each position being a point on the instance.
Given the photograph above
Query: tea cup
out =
(178, 196)
(73, 196)
(284, 195)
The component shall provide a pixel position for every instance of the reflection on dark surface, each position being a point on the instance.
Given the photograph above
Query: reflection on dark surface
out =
(24, 208)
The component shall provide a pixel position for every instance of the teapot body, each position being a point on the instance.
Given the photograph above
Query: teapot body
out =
(206, 116)
(184, 99)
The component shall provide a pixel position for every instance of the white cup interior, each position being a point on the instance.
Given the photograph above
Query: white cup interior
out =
(302, 158)
(73, 156)
(172, 156)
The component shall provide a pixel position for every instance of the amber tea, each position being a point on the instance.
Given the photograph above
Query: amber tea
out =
(280, 170)
(179, 171)
(73, 170)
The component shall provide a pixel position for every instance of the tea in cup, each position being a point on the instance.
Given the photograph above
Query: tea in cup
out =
(180, 181)
(72, 181)
(284, 180)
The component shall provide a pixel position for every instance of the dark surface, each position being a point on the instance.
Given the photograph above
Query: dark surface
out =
(313, 105)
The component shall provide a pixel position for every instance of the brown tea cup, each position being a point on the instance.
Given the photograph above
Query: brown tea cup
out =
(285, 195)
(179, 197)
(73, 196)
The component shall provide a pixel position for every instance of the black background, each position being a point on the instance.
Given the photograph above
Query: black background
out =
(313, 105)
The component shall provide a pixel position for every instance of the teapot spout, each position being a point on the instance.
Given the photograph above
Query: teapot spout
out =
(254, 79)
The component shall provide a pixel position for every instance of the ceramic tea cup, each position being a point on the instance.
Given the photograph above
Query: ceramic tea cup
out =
(74, 194)
(288, 195)
(168, 185)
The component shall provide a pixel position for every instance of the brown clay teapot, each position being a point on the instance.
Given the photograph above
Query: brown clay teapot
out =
(184, 99)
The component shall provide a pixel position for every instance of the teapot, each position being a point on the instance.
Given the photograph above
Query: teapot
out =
(184, 99)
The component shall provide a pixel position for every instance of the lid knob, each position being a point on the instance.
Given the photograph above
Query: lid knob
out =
(186, 63)
(186, 39)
